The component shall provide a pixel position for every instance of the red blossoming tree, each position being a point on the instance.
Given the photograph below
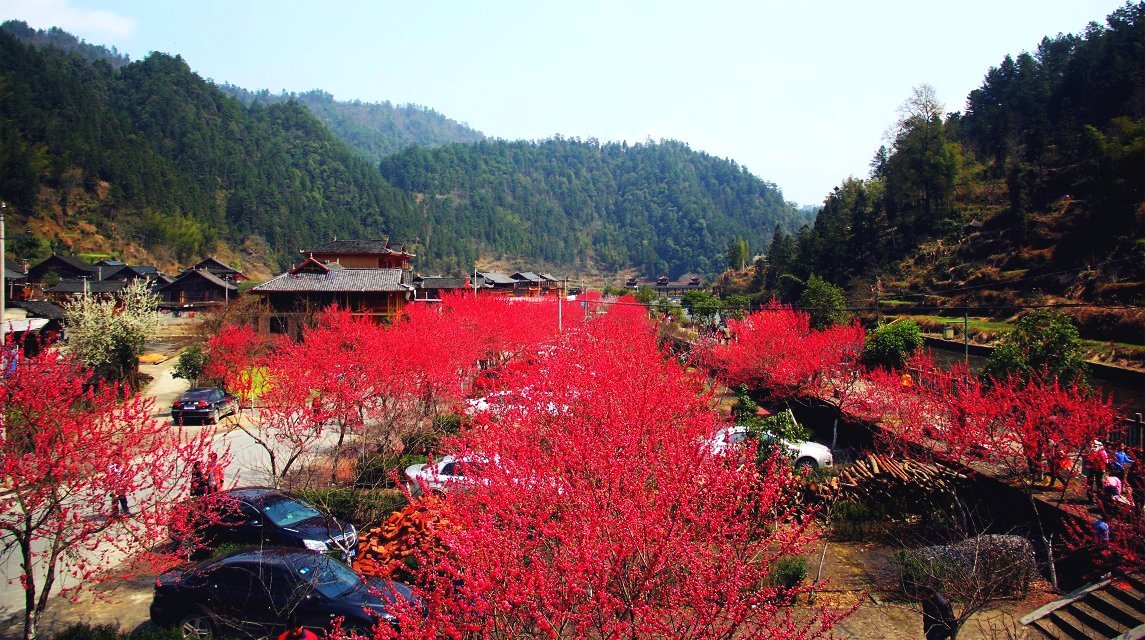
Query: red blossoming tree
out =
(71, 457)
(600, 510)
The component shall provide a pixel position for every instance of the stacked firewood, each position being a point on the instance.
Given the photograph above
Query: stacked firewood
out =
(880, 477)
(387, 548)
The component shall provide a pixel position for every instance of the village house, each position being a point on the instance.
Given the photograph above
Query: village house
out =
(431, 288)
(367, 277)
(195, 288)
(14, 281)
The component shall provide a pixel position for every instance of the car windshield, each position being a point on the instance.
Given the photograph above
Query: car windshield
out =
(287, 511)
(198, 394)
(332, 578)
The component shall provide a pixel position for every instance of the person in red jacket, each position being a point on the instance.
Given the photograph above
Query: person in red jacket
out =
(1096, 459)
(295, 631)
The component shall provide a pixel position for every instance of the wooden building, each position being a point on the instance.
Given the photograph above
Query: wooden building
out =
(366, 277)
(14, 281)
(220, 270)
(362, 254)
(195, 288)
(431, 288)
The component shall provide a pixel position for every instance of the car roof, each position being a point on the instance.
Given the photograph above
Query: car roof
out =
(258, 495)
(283, 556)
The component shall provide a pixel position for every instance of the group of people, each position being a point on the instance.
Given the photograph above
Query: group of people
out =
(1107, 477)
(206, 479)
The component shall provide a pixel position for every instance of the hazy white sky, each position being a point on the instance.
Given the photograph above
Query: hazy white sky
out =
(801, 92)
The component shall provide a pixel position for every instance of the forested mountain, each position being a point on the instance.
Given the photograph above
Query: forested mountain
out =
(60, 39)
(152, 154)
(149, 158)
(374, 129)
(659, 207)
(1035, 192)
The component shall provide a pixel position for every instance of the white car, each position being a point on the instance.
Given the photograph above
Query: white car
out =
(807, 455)
(442, 474)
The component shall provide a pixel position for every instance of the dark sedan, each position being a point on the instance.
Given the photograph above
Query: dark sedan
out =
(253, 592)
(207, 404)
(265, 516)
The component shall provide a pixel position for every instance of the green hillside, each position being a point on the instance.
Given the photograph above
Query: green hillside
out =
(376, 129)
(1034, 194)
(152, 154)
(661, 208)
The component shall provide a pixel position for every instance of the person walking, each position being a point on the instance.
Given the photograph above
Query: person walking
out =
(214, 473)
(938, 622)
(198, 480)
(1096, 460)
(115, 472)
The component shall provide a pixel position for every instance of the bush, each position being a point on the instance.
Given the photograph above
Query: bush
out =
(888, 346)
(379, 471)
(191, 363)
(83, 631)
(1044, 341)
(362, 507)
(789, 572)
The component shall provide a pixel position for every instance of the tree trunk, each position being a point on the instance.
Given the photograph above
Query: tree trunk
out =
(31, 619)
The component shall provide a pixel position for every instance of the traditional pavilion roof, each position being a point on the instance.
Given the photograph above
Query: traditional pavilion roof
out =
(361, 247)
(337, 280)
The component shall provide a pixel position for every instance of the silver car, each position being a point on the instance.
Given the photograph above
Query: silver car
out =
(807, 455)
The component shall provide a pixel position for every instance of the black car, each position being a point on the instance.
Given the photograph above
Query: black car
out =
(208, 404)
(253, 592)
(265, 516)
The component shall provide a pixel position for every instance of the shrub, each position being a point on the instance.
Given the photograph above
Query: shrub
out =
(889, 345)
(84, 631)
(1044, 341)
(191, 363)
(379, 471)
(362, 507)
(788, 572)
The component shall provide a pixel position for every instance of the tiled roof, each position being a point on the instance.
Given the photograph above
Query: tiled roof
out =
(496, 278)
(73, 262)
(145, 269)
(40, 308)
(338, 280)
(201, 273)
(70, 285)
(528, 275)
(13, 271)
(356, 246)
(215, 266)
(440, 282)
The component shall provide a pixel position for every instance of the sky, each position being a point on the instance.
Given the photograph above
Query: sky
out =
(802, 93)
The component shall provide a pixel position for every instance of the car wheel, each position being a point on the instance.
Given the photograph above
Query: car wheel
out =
(214, 417)
(806, 465)
(196, 626)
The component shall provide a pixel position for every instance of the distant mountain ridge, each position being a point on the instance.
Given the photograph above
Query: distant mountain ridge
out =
(375, 129)
(148, 160)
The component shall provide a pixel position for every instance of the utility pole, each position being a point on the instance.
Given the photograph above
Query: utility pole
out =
(561, 307)
(474, 280)
(966, 335)
(3, 289)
